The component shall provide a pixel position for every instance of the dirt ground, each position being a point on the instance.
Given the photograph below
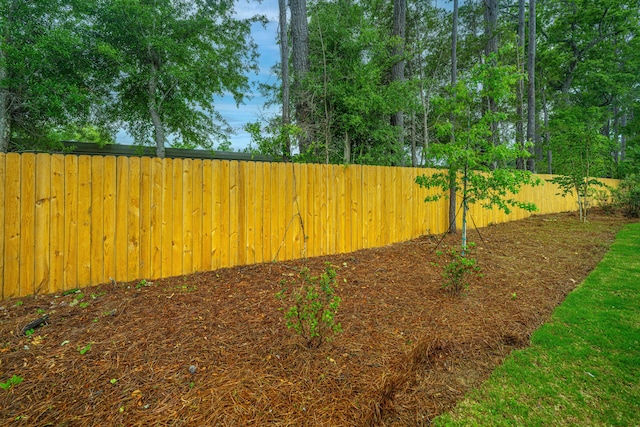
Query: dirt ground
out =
(213, 348)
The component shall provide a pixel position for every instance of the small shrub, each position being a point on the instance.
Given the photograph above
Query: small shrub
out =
(314, 306)
(603, 200)
(14, 380)
(627, 196)
(83, 350)
(459, 267)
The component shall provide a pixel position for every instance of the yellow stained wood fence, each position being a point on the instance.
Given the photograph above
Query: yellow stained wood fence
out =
(70, 221)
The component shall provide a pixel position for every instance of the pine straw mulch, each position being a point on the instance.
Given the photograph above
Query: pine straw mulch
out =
(408, 352)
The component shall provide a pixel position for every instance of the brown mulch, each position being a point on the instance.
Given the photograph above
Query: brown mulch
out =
(408, 352)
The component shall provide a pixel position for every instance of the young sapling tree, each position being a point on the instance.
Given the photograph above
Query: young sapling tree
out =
(476, 166)
(578, 150)
(479, 169)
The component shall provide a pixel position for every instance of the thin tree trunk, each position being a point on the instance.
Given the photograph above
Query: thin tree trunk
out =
(545, 113)
(5, 114)
(520, 161)
(325, 83)
(414, 147)
(4, 108)
(347, 149)
(284, 68)
(454, 81)
(300, 57)
(623, 138)
(491, 47)
(616, 131)
(424, 100)
(531, 85)
(397, 72)
(153, 111)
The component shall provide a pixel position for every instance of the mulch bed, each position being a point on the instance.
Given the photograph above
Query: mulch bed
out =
(213, 348)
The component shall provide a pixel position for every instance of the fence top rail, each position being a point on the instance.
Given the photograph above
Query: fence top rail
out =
(92, 149)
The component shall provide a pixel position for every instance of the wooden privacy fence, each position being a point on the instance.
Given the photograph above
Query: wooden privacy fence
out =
(70, 221)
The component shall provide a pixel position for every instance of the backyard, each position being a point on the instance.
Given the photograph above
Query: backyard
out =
(213, 348)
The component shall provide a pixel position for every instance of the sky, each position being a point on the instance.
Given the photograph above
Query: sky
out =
(253, 108)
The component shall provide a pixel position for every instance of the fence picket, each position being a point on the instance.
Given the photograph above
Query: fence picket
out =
(145, 218)
(177, 250)
(133, 221)
(109, 203)
(27, 223)
(121, 241)
(207, 213)
(97, 220)
(12, 207)
(166, 223)
(198, 216)
(157, 174)
(187, 216)
(42, 224)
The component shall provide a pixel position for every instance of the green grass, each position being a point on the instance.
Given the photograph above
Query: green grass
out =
(583, 367)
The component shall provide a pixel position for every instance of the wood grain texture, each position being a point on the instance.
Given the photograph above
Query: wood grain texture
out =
(68, 221)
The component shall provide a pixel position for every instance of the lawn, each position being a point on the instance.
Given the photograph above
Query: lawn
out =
(213, 348)
(583, 367)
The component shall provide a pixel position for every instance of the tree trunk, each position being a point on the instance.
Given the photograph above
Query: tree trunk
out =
(491, 26)
(414, 146)
(453, 190)
(284, 68)
(531, 84)
(454, 81)
(616, 131)
(4, 108)
(325, 85)
(347, 149)
(158, 126)
(520, 161)
(545, 113)
(397, 72)
(623, 138)
(491, 47)
(424, 100)
(5, 114)
(300, 57)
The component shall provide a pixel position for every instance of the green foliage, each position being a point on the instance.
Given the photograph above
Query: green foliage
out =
(274, 140)
(348, 89)
(85, 349)
(475, 164)
(349, 82)
(459, 267)
(627, 196)
(580, 186)
(46, 72)
(489, 180)
(14, 380)
(142, 283)
(579, 151)
(314, 306)
(170, 58)
(89, 133)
